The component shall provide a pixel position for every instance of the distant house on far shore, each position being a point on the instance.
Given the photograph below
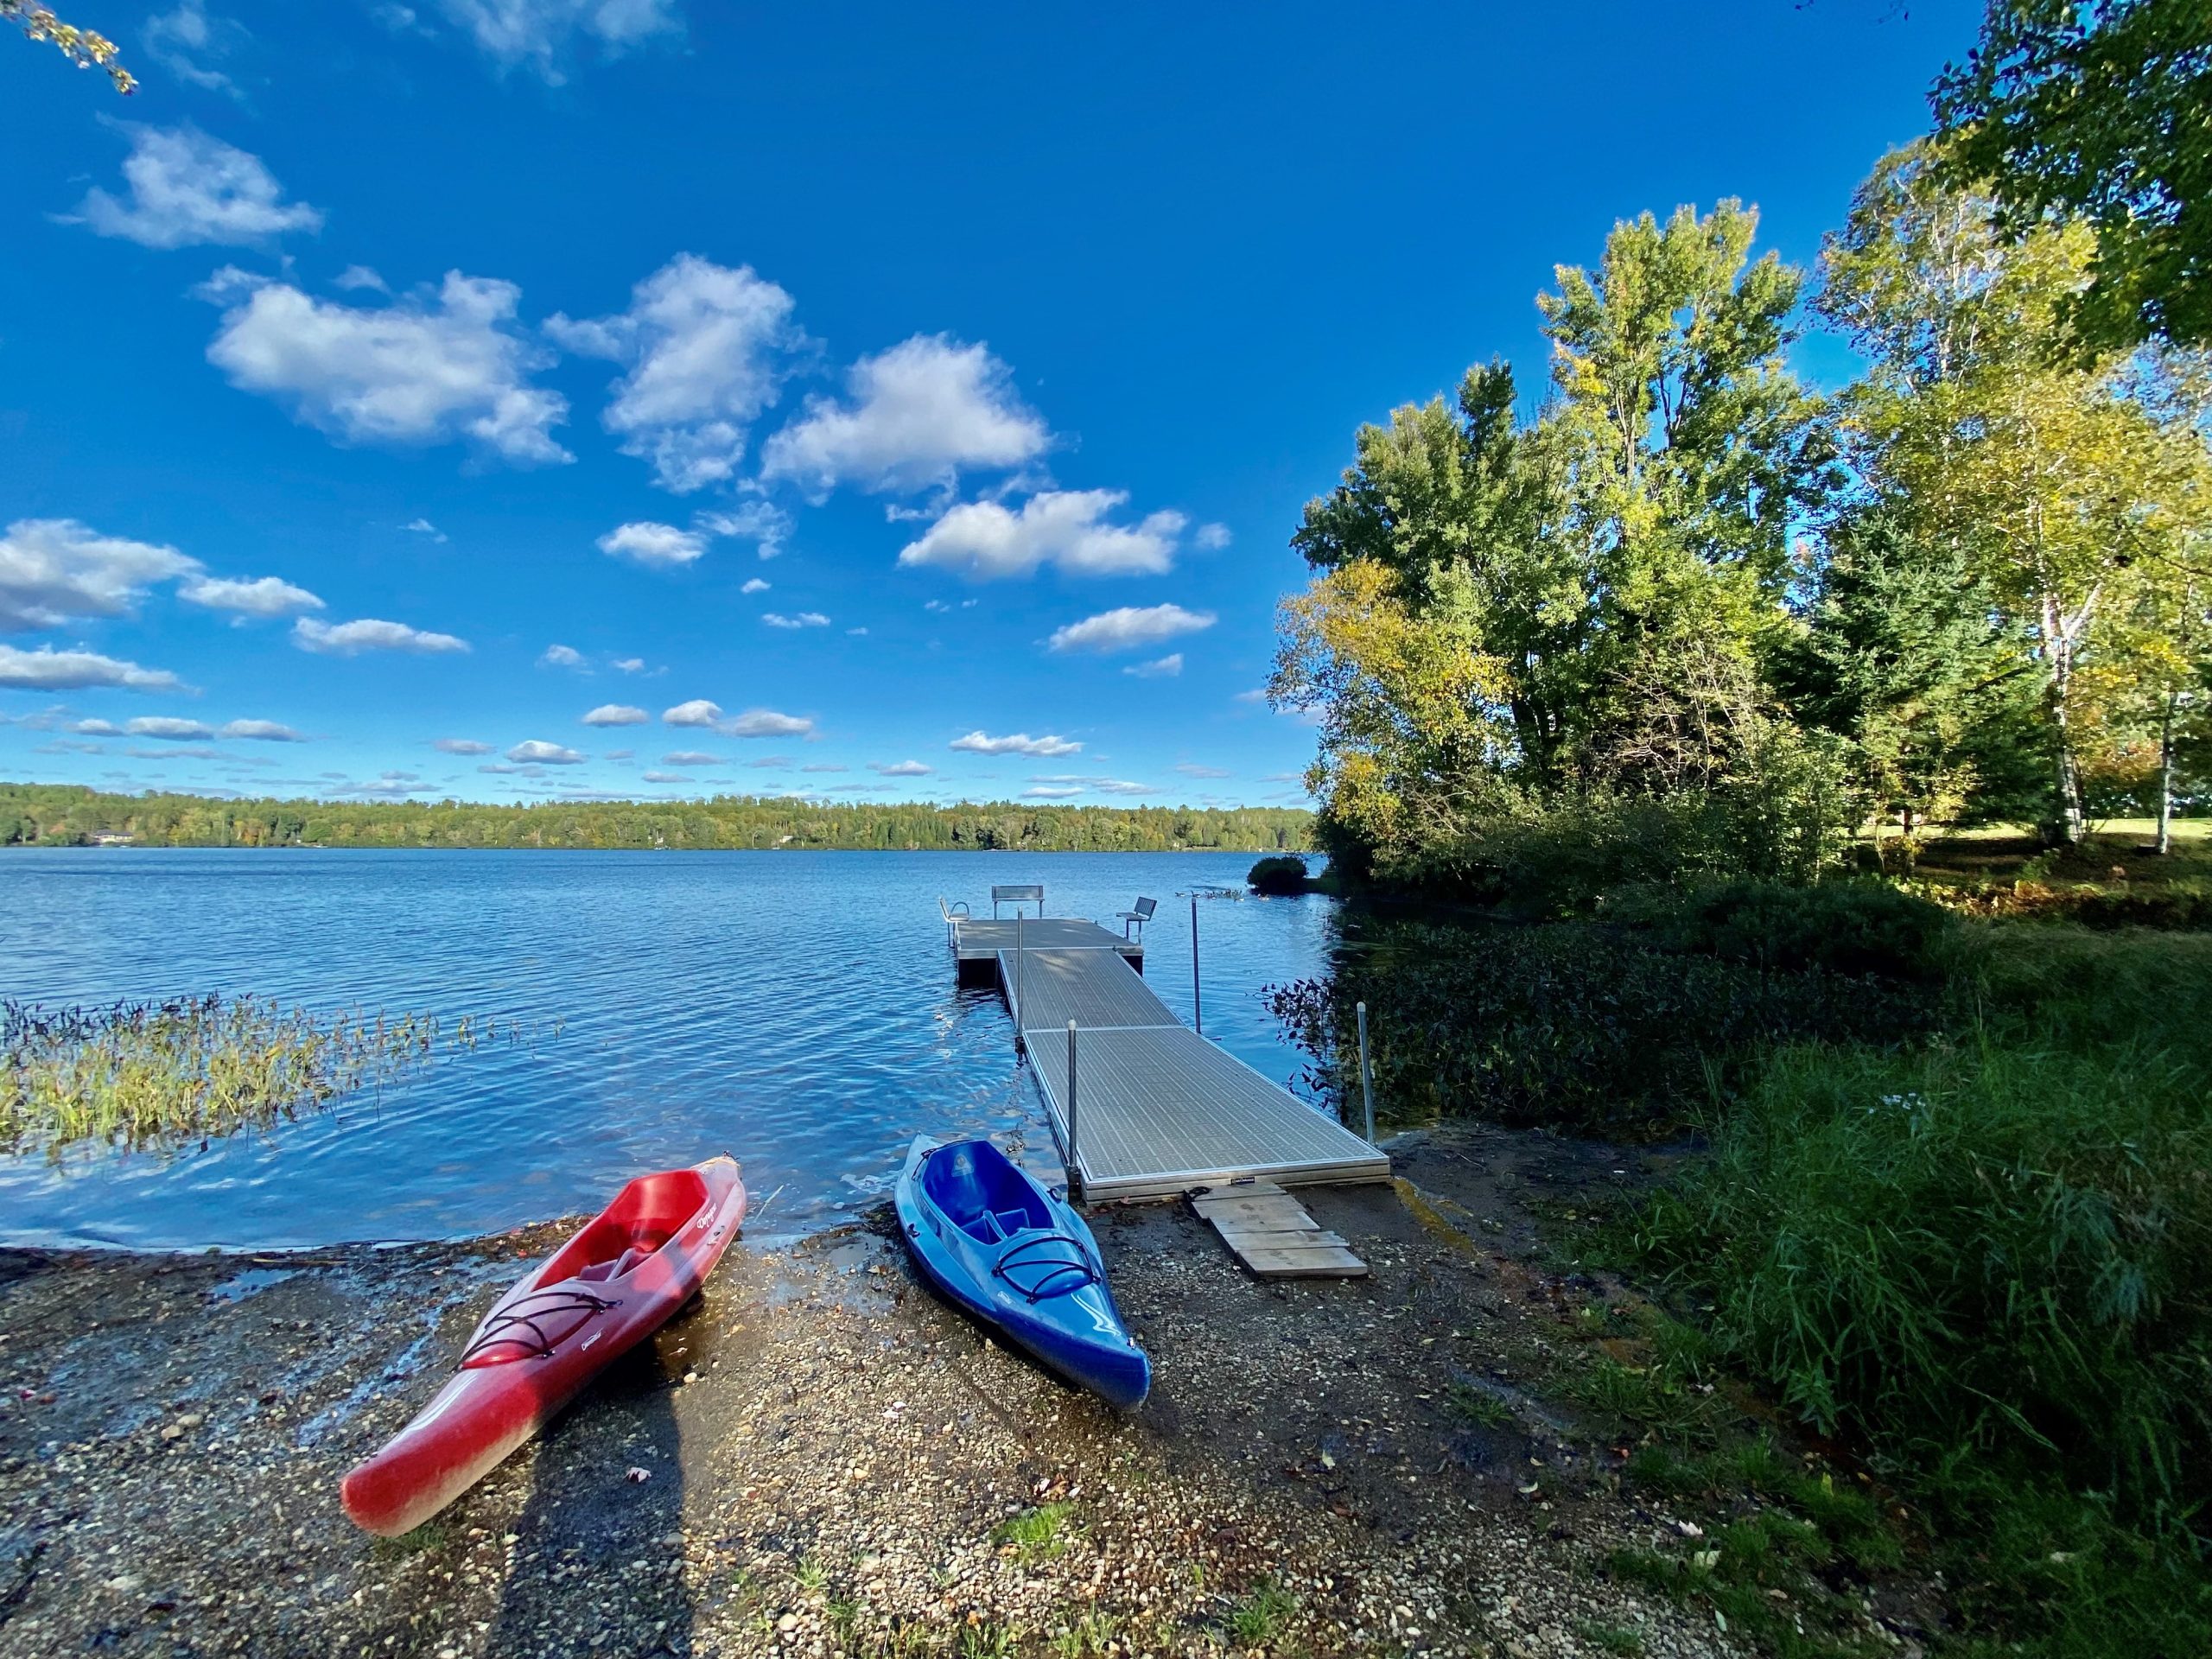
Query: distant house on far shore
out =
(107, 838)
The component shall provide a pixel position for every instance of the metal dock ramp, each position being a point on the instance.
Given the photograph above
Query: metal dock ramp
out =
(1158, 1109)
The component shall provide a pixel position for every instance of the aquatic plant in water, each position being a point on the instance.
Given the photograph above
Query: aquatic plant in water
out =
(134, 1076)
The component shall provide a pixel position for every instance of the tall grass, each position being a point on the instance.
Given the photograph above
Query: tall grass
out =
(1988, 1259)
(139, 1075)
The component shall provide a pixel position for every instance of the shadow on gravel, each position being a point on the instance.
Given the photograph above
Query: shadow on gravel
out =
(597, 1567)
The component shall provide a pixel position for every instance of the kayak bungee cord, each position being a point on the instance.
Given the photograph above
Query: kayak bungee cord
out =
(1083, 1267)
(498, 1329)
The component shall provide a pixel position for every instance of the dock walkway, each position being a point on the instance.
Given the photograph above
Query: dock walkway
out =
(1158, 1109)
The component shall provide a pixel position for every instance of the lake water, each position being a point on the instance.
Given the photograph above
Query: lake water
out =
(797, 1009)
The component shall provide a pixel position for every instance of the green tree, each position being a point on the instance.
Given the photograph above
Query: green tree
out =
(2100, 111)
(2063, 488)
(1586, 601)
(1906, 654)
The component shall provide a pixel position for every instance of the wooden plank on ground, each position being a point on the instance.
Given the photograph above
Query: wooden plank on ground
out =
(1242, 1239)
(1270, 1233)
(1337, 1264)
(1280, 1211)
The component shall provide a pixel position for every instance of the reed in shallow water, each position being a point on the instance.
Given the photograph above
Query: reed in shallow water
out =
(143, 1074)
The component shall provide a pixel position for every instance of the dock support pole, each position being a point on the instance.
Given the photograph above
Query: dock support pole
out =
(1075, 1166)
(1366, 1075)
(1197, 1012)
(1019, 958)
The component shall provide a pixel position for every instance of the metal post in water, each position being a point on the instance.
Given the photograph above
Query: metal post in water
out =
(1198, 1012)
(1019, 958)
(1366, 1075)
(1075, 1168)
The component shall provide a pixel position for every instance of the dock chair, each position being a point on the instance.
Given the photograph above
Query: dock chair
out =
(1137, 918)
(1017, 897)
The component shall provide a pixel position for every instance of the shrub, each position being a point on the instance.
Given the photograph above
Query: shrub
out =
(1577, 1024)
(2183, 904)
(1844, 927)
(1281, 873)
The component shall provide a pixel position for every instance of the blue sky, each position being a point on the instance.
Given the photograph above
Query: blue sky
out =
(515, 399)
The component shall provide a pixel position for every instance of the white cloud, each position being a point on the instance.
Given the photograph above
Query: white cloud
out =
(754, 586)
(855, 634)
(1130, 626)
(770, 763)
(918, 416)
(1190, 769)
(186, 188)
(762, 523)
(1053, 792)
(420, 369)
(663, 546)
(537, 752)
(902, 769)
(804, 619)
(616, 714)
(362, 276)
(248, 596)
(393, 785)
(1211, 538)
(48, 670)
(985, 540)
(54, 569)
(462, 745)
(541, 33)
(167, 729)
(425, 527)
(690, 758)
(186, 42)
(1160, 668)
(754, 722)
(561, 657)
(260, 731)
(825, 766)
(705, 346)
(1257, 694)
(182, 752)
(630, 664)
(369, 633)
(767, 722)
(1044, 747)
(1119, 787)
(664, 777)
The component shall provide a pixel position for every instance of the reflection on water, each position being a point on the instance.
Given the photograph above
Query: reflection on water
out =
(797, 1009)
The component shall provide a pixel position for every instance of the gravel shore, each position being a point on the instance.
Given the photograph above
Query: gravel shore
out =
(818, 1457)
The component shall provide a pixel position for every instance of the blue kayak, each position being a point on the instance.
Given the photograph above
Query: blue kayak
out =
(1014, 1255)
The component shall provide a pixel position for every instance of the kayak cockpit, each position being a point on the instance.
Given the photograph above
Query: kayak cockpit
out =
(978, 1189)
(975, 1187)
(645, 1216)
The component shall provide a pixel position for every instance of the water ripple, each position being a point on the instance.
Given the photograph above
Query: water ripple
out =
(797, 1009)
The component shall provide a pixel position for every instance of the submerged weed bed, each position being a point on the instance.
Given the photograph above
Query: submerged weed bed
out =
(137, 1076)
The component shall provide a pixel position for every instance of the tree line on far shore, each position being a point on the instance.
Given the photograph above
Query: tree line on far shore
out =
(64, 815)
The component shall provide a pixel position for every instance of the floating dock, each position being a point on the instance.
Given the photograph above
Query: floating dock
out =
(977, 945)
(1157, 1109)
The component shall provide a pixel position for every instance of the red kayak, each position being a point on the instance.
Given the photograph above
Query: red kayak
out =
(610, 1287)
